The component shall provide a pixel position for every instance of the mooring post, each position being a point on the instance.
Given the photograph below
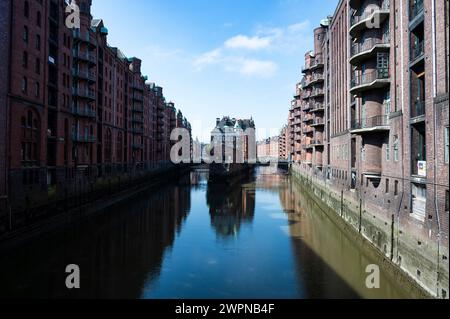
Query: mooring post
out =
(342, 203)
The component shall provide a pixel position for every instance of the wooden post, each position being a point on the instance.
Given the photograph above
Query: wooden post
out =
(342, 203)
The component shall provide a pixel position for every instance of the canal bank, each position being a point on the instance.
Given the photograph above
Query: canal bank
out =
(382, 239)
(24, 225)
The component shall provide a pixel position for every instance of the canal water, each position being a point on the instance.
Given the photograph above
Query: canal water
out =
(258, 237)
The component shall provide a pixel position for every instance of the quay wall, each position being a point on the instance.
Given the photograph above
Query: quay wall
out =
(414, 261)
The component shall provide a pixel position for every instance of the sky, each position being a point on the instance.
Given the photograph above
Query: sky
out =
(215, 58)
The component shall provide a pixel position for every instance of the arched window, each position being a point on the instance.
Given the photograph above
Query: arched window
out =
(30, 138)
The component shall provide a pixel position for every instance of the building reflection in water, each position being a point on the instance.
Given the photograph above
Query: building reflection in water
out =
(336, 264)
(117, 251)
(231, 205)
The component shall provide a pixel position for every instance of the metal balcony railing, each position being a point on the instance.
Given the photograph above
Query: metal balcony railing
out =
(417, 108)
(85, 112)
(371, 122)
(85, 93)
(89, 75)
(83, 139)
(369, 77)
(417, 50)
(415, 9)
(367, 45)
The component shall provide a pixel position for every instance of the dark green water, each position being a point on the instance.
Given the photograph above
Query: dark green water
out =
(257, 238)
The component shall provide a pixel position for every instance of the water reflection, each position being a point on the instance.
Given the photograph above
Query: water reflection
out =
(258, 237)
(117, 251)
(230, 205)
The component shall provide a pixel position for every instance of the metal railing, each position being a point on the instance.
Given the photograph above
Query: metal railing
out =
(83, 139)
(367, 45)
(417, 108)
(369, 77)
(415, 9)
(87, 93)
(417, 50)
(84, 74)
(371, 122)
(85, 112)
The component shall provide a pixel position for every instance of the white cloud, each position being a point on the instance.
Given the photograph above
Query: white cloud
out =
(248, 43)
(253, 67)
(254, 55)
(207, 58)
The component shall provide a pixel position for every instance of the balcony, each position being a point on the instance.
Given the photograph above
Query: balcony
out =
(85, 56)
(307, 147)
(306, 95)
(138, 119)
(370, 18)
(416, 9)
(316, 63)
(137, 146)
(137, 86)
(84, 112)
(137, 131)
(417, 51)
(138, 97)
(86, 37)
(318, 123)
(378, 123)
(86, 75)
(317, 93)
(375, 79)
(316, 143)
(367, 49)
(84, 93)
(307, 119)
(317, 107)
(417, 109)
(138, 109)
(77, 138)
(315, 78)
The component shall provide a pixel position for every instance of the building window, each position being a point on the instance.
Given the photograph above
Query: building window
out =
(38, 66)
(25, 34)
(26, 9)
(387, 185)
(37, 89)
(396, 188)
(39, 19)
(30, 139)
(38, 42)
(419, 201)
(446, 145)
(25, 59)
(24, 85)
(388, 152)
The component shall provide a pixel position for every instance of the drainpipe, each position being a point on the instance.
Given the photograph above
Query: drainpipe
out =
(433, 21)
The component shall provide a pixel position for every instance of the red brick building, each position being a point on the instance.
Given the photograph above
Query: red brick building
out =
(78, 112)
(382, 133)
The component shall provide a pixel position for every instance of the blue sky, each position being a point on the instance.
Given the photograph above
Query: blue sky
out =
(219, 57)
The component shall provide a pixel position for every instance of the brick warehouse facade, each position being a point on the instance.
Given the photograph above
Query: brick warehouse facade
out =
(384, 141)
(76, 112)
